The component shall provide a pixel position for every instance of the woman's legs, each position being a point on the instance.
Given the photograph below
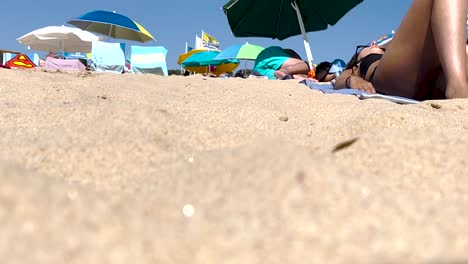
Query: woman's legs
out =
(449, 26)
(292, 66)
(431, 34)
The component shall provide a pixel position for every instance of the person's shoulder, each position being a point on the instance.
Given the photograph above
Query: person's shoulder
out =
(269, 52)
(273, 48)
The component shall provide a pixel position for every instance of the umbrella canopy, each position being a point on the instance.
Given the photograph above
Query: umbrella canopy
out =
(202, 58)
(113, 25)
(281, 19)
(241, 52)
(59, 38)
(184, 56)
(199, 60)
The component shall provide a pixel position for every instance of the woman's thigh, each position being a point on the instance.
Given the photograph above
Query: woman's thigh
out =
(410, 55)
(294, 62)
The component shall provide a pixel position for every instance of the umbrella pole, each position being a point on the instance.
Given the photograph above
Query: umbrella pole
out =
(245, 68)
(62, 47)
(310, 58)
(110, 32)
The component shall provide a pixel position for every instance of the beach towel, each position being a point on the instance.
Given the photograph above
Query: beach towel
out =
(53, 64)
(108, 57)
(73, 55)
(148, 59)
(34, 57)
(328, 88)
(21, 61)
(84, 58)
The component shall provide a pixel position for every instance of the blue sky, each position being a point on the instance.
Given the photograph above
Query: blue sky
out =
(173, 23)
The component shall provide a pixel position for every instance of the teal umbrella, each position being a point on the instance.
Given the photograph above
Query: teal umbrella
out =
(205, 58)
(281, 19)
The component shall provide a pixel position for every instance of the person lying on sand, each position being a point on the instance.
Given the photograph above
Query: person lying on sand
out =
(279, 64)
(426, 58)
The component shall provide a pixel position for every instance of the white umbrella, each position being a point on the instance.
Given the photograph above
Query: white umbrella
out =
(59, 38)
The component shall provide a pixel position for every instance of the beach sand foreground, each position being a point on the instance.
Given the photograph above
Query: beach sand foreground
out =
(148, 169)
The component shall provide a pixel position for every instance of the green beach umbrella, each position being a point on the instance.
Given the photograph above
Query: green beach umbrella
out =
(241, 52)
(244, 52)
(281, 19)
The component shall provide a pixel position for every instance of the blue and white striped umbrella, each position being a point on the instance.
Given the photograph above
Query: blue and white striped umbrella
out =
(113, 25)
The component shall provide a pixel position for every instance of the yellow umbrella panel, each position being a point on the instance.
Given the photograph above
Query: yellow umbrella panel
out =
(184, 56)
(218, 70)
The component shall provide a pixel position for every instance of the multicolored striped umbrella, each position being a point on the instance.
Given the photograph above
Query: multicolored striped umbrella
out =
(201, 61)
(113, 25)
(241, 52)
(202, 57)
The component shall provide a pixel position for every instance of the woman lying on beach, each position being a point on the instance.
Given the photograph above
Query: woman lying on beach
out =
(278, 64)
(426, 58)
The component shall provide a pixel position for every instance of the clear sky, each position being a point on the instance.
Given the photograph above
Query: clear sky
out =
(173, 23)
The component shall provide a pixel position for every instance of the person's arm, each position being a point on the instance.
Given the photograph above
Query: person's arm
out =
(340, 81)
(348, 80)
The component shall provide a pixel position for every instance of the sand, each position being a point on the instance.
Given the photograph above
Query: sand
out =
(105, 168)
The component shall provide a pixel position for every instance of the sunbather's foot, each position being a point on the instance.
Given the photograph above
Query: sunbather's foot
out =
(456, 92)
(302, 77)
(280, 74)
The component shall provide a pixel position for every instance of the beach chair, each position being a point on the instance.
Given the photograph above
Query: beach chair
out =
(148, 59)
(108, 57)
(34, 58)
(6, 56)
